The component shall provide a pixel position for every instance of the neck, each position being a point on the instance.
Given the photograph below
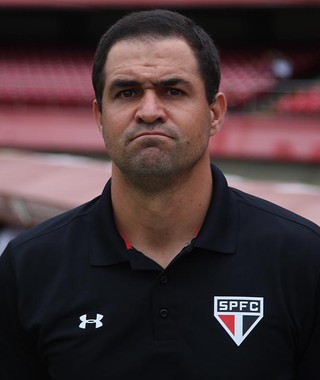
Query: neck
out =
(160, 224)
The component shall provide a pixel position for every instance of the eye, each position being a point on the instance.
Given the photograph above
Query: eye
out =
(174, 91)
(127, 93)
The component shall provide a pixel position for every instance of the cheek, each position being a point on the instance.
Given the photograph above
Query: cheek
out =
(110, 125)
(200, 125)
(117, 118)
(113, 132)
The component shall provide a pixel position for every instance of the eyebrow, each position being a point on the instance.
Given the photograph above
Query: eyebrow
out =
(126, 83)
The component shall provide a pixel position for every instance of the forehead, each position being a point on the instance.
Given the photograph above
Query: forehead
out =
(151, 58)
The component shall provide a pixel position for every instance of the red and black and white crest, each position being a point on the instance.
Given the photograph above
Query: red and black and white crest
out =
(238, 315)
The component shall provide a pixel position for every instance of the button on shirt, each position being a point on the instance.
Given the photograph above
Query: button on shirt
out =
(241, 301)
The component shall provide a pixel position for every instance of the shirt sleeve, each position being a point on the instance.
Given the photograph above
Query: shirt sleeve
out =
(309, 368)
(18, 359)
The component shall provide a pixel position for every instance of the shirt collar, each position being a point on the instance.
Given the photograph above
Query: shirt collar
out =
(106, 245)
(218, 232)
(220, 228)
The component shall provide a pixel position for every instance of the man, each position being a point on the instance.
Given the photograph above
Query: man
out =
(170, 273)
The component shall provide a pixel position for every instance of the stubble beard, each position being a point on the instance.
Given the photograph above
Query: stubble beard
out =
(152, 170)
(152, 165)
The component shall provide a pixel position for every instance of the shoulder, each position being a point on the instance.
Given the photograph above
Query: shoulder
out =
(273, 218)
(50, 234)
(278, 239)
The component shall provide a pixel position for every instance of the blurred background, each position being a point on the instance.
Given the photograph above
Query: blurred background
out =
(52, 157)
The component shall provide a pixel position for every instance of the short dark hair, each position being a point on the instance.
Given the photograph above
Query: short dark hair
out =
(160, 23)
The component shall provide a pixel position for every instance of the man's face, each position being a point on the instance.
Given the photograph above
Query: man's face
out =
(155, 119)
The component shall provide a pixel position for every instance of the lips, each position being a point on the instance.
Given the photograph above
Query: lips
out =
(151, 134)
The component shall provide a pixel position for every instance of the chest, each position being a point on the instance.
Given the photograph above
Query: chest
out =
(205, 315)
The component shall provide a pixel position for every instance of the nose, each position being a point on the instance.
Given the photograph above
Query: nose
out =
(150, 109)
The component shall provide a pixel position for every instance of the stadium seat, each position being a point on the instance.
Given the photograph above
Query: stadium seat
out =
(62, 77)
(303, 101)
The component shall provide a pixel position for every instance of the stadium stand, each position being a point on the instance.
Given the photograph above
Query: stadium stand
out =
(302, 101)
(55, 77)
(52, 87)
(46, 95)
(45, 76)
(60, 76)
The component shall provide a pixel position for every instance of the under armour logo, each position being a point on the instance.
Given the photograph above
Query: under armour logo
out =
(85, 321)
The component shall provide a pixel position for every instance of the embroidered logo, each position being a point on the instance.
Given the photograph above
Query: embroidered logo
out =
(84, 321)
(238, 315)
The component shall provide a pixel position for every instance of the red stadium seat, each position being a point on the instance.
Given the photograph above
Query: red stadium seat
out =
(61, 77)
(304, 101)
(53, 77)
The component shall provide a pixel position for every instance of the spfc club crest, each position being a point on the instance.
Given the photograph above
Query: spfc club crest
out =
(238, 315)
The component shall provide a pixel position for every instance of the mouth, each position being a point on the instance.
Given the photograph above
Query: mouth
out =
(151, 134)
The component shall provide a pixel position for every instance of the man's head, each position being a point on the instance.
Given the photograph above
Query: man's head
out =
(163, 24)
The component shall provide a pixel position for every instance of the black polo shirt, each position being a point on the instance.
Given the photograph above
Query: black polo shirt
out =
(240, 302)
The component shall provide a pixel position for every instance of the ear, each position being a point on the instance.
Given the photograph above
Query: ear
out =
(97, 114)
(217, 109)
